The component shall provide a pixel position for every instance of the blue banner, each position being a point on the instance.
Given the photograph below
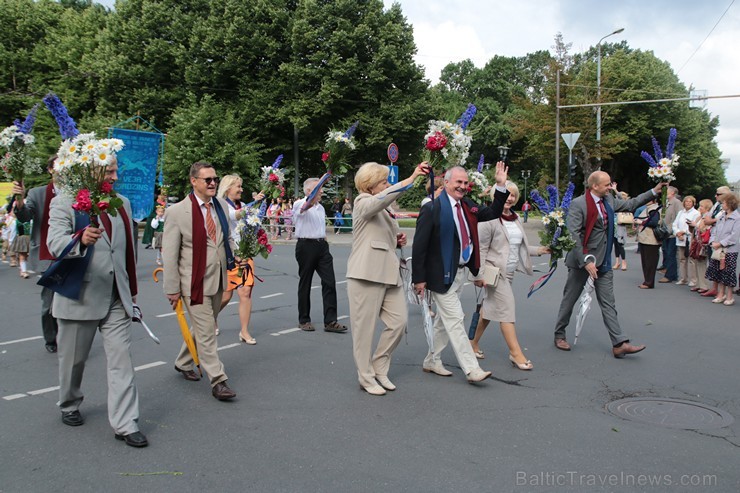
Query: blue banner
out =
(137, 168)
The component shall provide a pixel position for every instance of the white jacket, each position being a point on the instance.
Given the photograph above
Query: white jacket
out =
(680, 224)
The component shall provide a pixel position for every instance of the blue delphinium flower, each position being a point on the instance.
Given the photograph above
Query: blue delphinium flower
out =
(671, 143)
(656, 148)
(351, 130)
(539, 201)
(67, 126)
(556, 235)
(480, 164)
(568, 197)
(467, 116)
(27, 125)
(552, 193)
(277, 162)
(647, 157)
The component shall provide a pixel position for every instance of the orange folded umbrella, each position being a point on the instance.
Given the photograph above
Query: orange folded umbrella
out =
(184, 328)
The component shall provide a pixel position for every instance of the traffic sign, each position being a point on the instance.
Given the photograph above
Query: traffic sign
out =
(392, 153)
(393, 174)
(571, 139)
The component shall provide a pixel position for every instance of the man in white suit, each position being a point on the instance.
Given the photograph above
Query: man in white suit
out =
(105, 304)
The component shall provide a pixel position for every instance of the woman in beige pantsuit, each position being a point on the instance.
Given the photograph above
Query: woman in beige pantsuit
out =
(504, 244)
(373, 278)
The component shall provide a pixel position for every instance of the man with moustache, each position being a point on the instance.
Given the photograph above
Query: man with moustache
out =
(105, 304)
(197, 252)
(445, 243)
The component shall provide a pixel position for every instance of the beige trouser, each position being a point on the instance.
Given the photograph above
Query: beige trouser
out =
(368, 302)
(697, 270)
(685, 266)
(449, 327)
(203, 328)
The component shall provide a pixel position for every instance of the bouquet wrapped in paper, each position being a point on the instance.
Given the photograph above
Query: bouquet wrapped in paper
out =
(17, 145)
(555, 236)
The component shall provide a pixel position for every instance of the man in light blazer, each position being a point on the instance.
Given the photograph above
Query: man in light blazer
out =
(591, 223)
(445, 243)
(196, 253)
(36, 207)
(105, 304)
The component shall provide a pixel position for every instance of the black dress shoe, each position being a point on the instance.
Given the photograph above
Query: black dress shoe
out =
(51, 348)
(72, 418)
(188, 374)
(135, 439)
(222, 392)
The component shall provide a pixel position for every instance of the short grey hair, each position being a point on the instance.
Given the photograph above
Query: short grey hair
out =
(448, 173)
(309, 184)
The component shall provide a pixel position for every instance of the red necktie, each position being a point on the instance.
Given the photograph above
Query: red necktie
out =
(463, 229)
(107, 225)
(210, 225)
(604, 217)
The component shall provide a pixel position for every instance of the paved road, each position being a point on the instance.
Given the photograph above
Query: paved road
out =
(301, 423)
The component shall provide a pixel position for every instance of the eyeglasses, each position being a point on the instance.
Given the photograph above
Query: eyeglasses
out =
(209, 180)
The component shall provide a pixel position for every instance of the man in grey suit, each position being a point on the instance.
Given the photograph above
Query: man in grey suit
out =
(591, 223)
(105, 304)
(36, 207)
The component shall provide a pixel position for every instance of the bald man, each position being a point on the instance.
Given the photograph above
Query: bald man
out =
(591, 224)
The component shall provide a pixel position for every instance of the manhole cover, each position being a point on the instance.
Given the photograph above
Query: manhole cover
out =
(671, 413)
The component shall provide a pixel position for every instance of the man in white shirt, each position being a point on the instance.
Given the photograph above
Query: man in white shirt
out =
(312, 254)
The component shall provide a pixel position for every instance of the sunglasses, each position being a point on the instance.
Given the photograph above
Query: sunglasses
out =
(208, 180)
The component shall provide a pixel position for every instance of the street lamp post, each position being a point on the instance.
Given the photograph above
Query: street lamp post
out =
(525, 175)
(598, 92)
(503, 151)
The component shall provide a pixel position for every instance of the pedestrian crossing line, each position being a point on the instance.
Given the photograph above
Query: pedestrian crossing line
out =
(149, 365)
(43, 391)
(20, 340)
(270, 295)
(14, 397)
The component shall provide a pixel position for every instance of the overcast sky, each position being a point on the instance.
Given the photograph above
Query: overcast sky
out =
(453, 30)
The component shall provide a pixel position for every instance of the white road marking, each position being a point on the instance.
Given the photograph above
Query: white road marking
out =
(149, 365)
(228, 346)
(466, 284)
(315, 287)
(43, 391)
(233, 303)
(14, 397)
(274, 334)
(171, 314)
(20, 340)
(342, 282)
(270, 295)
(288, 331)
(342, 317)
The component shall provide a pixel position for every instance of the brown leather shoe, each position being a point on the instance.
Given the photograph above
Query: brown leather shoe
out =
(306, 326)
(562, 344)
(625, 349)
(664, 280)
(188, 374)
(222, 392)
(335, 327)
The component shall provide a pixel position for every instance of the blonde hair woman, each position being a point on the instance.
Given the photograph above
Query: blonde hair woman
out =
(373, 279)
(504, 244)
(230, 190)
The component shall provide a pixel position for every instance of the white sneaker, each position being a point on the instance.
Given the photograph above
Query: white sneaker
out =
(478, 375)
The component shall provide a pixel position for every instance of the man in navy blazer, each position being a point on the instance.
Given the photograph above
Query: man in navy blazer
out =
(445, 243)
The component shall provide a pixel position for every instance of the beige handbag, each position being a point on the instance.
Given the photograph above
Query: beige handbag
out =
(625, 218)
(491, 274)
(718, 253)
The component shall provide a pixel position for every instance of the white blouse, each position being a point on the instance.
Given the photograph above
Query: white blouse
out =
(515, 241)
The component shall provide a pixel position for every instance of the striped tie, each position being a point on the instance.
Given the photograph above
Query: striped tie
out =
(210, 224)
